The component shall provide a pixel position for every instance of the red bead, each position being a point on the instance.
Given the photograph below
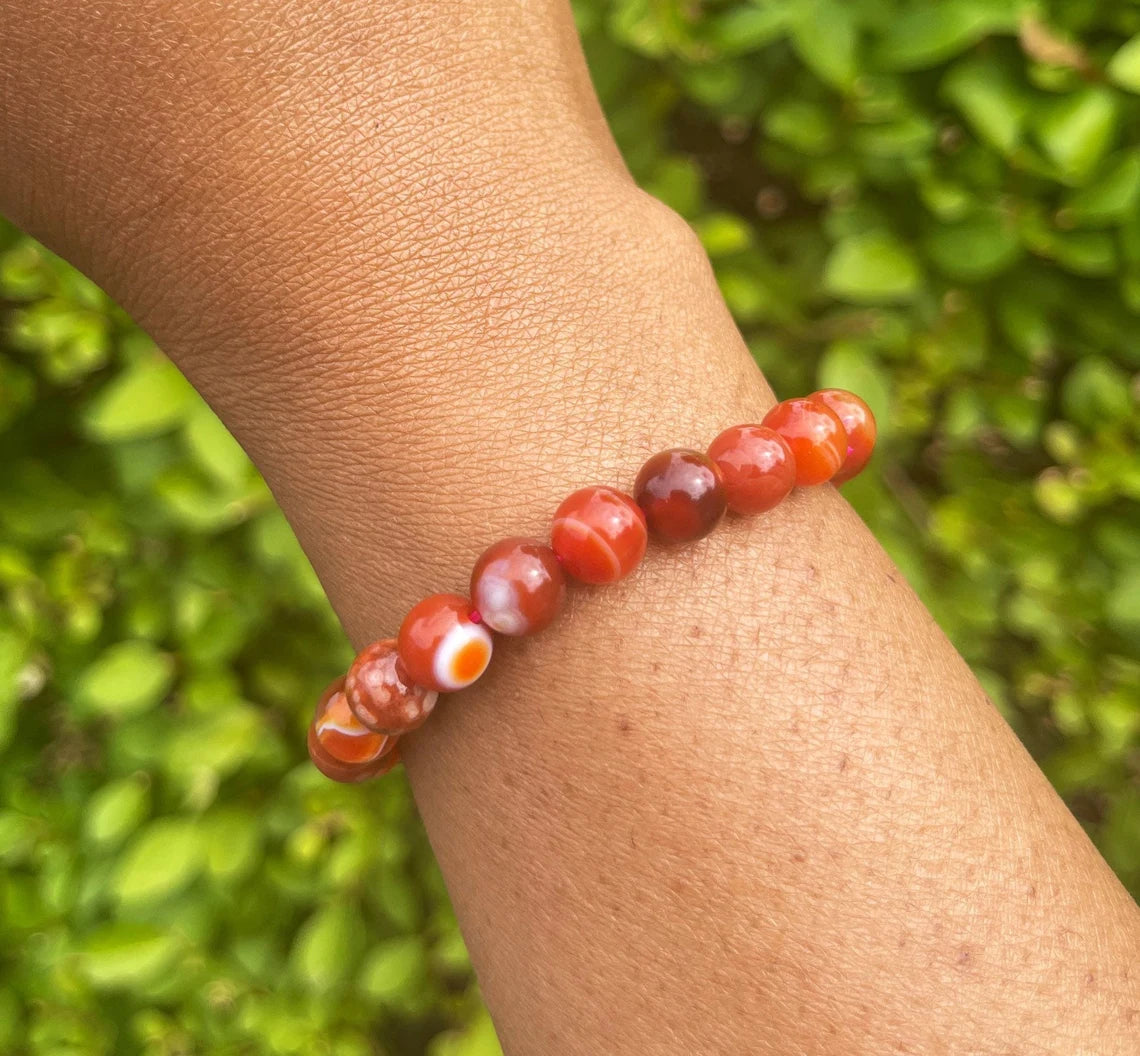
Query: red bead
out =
(599, 535)
(681, 494)
(380, 693)
(517, 586)
(814, 433)
(441, 646)
(340, 746)
(859, 423)
(756, 465)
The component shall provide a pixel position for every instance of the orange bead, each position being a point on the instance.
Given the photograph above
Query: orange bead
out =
(681, 494)
(859, 424)
(382, 695)
(340, 746)
(814, 433)
(517, 586)
(757, 466)
(599, 535)
(441, 644)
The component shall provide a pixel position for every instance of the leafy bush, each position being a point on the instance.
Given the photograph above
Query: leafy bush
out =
(937, 205)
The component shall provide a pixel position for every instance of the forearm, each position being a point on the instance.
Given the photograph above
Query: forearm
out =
(749, 800)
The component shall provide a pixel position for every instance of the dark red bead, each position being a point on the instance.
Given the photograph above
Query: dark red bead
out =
(681, 494)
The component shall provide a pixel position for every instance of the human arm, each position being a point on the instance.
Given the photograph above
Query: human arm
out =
(396, 249)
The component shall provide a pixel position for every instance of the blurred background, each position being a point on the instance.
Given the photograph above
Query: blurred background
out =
(934, 204)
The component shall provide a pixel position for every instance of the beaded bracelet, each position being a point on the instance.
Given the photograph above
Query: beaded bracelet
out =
(599, 535)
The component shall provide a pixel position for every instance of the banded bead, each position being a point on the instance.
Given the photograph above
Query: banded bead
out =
(340, 746)
(599, 535)
(441, 644)
(859, 424)
(681, 494)
(382, 695)
(757, 466)
(517, 586)
(814, 433)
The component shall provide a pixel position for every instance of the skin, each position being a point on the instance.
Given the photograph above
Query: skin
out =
(749, 800)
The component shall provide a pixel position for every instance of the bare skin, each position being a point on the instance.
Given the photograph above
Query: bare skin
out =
(750, 800)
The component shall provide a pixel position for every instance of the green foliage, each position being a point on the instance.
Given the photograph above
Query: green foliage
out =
(174, 876)
(935, 204)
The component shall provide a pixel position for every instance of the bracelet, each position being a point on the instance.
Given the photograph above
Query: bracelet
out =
(599, 535)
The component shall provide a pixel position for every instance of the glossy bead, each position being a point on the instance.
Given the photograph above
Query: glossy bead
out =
(340, 746)
(681, 494)
(756, 465)
(517, 586)
(441, 646)
(814, 433)
(348, 773)
(599, 535)
(859, 423)
(382, 695)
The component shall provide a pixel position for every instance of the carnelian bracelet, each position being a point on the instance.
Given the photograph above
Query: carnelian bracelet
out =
(599, 535)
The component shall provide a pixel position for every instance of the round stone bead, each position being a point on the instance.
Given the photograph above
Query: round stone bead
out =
(441, 645)
(681, 494)
(341, 747)
(517, 586)
(599, 535)
(756, 465)
(380, 693)
(859, 424)
(814, 433)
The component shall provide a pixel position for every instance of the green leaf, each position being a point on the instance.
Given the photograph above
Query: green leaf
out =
(214, 449)
(1058, 498)
(126, 956)
(233, 840)
(744, 29)
(1123, 604)
(160, 861)
(1118, 838)
(1112, 197)
(115, 811)
(1124, 66)
(148, 398)
(872, 268)
(716, 84)
(477, 1039)
(395, 970)
(18, 834)
(723, 234)
(327, 947)
(35, 503)
(127, 679)
(805, 126)
(825, 36)
(677, 182)
(14, 649)
(1097, 393)
(908, 137)
(995, 106)
(1082, 252)
(974, 249)
(218, 743)
(1078, 130)
(924, 35)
